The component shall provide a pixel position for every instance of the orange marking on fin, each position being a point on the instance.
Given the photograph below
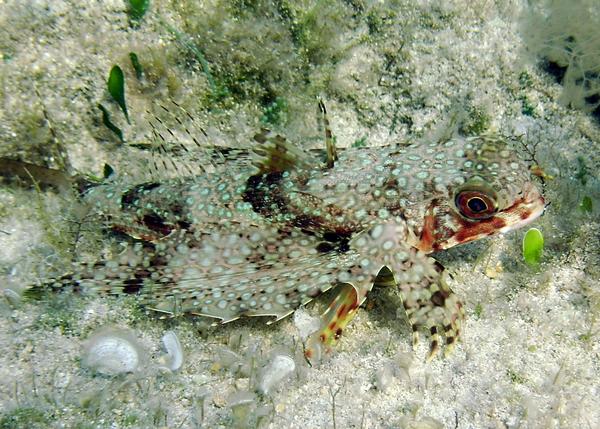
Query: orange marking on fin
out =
(427, 236)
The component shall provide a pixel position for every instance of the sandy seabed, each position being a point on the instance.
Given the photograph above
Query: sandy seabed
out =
(529, 355)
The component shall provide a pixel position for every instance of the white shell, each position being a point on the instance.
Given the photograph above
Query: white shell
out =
(174, 358)
(112, 351)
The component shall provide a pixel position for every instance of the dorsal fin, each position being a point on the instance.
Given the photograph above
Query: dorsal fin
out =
(275, 154)
(330, 148)
(179, 145)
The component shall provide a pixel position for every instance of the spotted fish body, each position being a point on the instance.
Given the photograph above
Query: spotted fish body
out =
(263, 241)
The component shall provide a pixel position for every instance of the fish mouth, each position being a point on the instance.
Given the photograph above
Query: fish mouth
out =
(530, 208)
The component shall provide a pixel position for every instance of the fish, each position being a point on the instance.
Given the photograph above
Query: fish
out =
(268, 234)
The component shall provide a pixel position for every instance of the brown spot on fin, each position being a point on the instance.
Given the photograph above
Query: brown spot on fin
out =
(275, 154)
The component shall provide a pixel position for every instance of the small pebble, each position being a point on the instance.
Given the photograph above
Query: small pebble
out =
(12, 297)
(277, 370)
(227, 358)
(242, 406)
(305, 323)
(384, 376)
(242, 383)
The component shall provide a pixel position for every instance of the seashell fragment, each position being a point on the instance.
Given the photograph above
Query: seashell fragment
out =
(112, 351)
(174, 358)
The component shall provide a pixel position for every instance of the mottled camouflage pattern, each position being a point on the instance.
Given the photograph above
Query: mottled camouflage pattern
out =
(263, 240)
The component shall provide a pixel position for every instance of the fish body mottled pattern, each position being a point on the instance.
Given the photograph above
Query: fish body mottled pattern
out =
(263, 240)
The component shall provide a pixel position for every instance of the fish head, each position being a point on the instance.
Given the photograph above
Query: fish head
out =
(496, 194)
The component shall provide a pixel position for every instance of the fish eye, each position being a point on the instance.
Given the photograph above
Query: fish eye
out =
(475, 204)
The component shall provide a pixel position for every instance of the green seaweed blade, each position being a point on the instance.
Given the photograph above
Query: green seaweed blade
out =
(116, 88)
(138, 8)
(533, 247)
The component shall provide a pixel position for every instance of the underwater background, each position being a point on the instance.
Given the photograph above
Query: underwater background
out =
(83, 85)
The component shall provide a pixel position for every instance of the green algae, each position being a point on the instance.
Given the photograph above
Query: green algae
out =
(533, 247)
(515, 377)
(116, 88)
(583, 172)
(24, 417)
(476, 123)
(275, 113)
(361, 142)
(586, 205)
(137, 9)
(137, 67)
